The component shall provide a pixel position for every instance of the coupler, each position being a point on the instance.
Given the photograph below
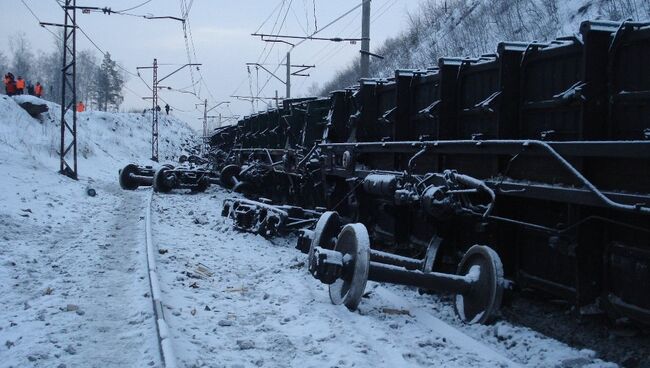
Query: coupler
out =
(346, 268)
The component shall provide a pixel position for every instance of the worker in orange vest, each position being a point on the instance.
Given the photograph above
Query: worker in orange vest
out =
(81, 107)
(38, 89)
(20, 85)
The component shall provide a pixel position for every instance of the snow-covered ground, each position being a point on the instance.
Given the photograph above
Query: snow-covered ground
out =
(73, 287)
(262, 308)
(74, 290)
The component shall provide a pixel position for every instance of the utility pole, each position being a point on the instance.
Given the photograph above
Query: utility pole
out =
(287, 80)
(365, 39)
(154, 103)
(205, 118)
(206, 139)
(69, 79)
(68, 84)
(205, 126)
(288, 83)
(154, 112)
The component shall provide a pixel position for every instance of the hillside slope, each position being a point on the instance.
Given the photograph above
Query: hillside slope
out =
(106, 141)
(475, 27)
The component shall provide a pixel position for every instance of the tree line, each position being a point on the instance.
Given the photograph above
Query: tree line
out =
(100, 83)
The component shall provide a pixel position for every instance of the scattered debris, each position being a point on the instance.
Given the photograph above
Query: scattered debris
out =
(241, 289)
(245, 344)
(397, 312)
(203, 271)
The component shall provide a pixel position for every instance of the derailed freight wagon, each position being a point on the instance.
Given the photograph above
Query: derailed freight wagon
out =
(540, 151)
(530, 165)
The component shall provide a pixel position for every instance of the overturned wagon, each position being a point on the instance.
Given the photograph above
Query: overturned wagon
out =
(536, 157)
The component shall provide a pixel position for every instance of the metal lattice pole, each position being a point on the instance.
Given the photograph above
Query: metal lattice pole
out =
(154, 120)
(205, 127)
(69, 83)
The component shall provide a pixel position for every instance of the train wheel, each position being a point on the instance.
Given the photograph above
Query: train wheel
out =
(354, 243)
(227, 174)
(161, 182)
(126, 181)
(325, 232)
(482, 302)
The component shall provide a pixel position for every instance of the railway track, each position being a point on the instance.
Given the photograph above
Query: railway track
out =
(163, 333)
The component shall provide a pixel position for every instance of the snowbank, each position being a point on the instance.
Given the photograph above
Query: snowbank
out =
(106, 141)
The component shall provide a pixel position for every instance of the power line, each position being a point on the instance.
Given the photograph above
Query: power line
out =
(84, 33)
(188, 34)
(299, 21)
(313, 34)
(135, 7)
(315, 19)
(284, 19)
(270, 15)
(39, 21)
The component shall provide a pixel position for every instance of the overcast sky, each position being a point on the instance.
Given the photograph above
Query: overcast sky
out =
(220, 32)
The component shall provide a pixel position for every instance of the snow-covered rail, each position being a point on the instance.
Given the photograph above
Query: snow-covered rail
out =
(164, 335)
(453, 334)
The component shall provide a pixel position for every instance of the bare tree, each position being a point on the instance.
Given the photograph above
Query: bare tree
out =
(48, 72)
(87, 66)
(4, 63)
(22, 55)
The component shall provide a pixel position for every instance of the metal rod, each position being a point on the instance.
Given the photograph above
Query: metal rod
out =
(288, 81)
(439, 282)
(395, 260)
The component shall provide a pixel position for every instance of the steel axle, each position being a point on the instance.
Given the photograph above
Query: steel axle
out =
(478, 284)
(133, 176)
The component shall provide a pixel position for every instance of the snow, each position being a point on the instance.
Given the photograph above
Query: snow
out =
(262, 308)
(75, 292)
(72, 266)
